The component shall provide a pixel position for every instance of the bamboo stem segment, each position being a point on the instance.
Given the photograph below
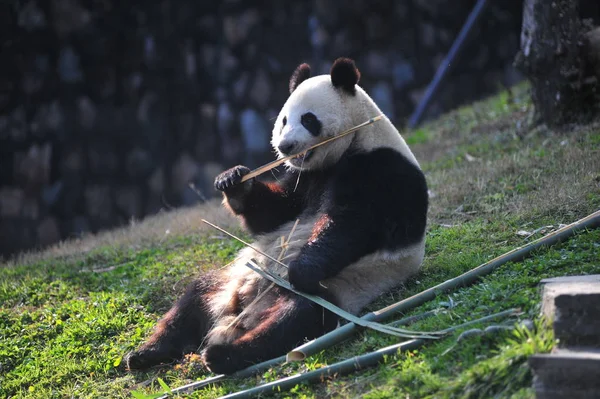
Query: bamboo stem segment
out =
(399, 332)
(277, 162)
(247, 372)
(244, 242)
(352, 364)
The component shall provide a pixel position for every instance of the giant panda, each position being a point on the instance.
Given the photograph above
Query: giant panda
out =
(361, 205)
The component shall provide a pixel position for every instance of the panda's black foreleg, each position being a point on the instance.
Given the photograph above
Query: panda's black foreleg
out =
(284, 325)
(180, 330)
(263, 206)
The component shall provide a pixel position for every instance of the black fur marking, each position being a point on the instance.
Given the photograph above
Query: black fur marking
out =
(266, 205)
(301, 73)
(374, 201)
(311, 123)
(181, 329)
(345, 75)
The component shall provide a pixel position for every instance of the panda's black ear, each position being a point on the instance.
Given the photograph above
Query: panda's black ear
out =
(300, 75)
(345, 75)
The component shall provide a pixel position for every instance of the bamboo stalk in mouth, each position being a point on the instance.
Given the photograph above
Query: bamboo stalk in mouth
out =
(277, 162)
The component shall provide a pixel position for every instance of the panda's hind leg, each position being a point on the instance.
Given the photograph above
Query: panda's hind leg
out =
(276, 324)
(180, 330)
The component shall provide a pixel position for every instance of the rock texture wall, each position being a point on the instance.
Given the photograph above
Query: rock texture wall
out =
(109, 108)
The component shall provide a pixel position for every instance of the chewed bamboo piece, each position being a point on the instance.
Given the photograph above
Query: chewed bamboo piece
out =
(244, 242)
(277, 162)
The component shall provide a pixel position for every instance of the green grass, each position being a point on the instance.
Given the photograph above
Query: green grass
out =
(66, 318)
(419, 136)
(489, 365)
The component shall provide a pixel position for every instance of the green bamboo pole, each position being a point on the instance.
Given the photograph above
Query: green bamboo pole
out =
(247, 372)
(257, 368)
(352, 364)
(384, 328)
(347, 330)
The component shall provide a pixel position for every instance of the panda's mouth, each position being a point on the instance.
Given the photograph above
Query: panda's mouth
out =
(300, 159)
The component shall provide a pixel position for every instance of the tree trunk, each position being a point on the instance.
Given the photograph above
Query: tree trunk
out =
(557, 62)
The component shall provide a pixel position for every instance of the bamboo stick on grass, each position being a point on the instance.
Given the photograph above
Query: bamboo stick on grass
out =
(340, 368)
(261, 367)
(353, 364)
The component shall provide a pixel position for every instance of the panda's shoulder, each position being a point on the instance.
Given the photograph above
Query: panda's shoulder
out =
(382, 176)
(293, 180)
(379, 162)
(383, 183)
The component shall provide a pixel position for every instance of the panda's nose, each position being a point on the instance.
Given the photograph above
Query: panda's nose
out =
(286, 147)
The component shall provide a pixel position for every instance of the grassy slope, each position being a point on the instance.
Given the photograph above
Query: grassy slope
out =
(68, 315)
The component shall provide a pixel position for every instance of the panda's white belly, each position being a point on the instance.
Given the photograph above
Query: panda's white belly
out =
(354, 287)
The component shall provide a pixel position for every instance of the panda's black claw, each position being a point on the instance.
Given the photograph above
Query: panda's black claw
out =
(230, 178)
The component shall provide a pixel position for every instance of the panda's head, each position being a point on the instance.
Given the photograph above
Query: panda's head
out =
(318, 108)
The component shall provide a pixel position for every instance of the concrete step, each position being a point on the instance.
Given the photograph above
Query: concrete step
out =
(566, 374)
(573, 305)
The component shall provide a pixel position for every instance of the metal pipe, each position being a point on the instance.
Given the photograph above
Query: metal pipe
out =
(447, 64)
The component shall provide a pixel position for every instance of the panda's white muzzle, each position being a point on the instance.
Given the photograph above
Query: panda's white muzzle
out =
(291, 147)
(287, 147)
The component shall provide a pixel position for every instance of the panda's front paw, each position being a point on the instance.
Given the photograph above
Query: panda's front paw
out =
(145, 358)
(220, 359)
(231, 178)
(303, 277)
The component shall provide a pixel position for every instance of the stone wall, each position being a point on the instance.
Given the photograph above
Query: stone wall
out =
(108, 109)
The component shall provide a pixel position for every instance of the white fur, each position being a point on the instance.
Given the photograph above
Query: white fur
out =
(337, 111)
(355, 287)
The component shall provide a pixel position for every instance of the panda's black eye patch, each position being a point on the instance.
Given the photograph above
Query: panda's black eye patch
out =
(284, 120)
(311, 123)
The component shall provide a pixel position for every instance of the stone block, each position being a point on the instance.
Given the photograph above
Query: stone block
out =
(567, 285)
(128, 200)
(566, 374)
(577, 319)
(11, 202)
(48, 231)
(573, 305)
